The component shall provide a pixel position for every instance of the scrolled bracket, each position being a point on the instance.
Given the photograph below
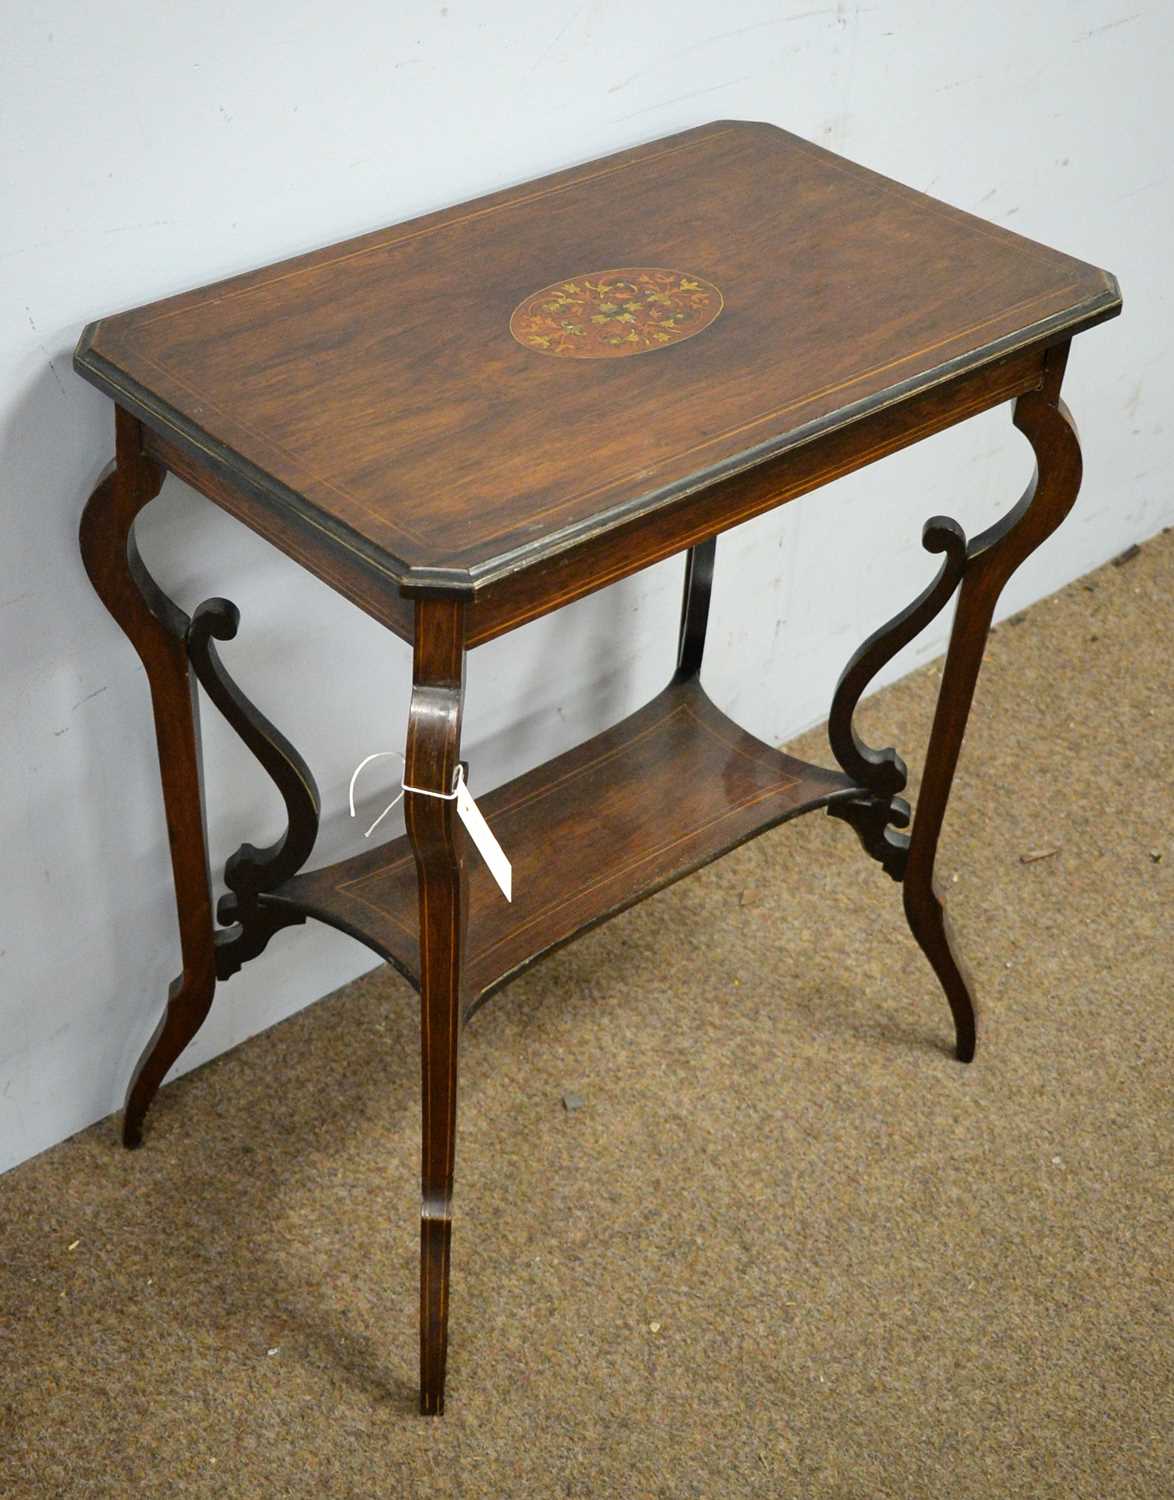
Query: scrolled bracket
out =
(250, 873)
(876, 820)
(882, 773)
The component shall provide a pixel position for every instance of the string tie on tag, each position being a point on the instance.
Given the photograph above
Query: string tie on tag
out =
(470, 815)
(378, 755)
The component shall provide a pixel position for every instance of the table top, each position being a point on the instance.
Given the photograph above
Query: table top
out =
(472, 392)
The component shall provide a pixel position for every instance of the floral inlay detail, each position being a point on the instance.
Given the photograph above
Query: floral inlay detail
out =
(608, 314)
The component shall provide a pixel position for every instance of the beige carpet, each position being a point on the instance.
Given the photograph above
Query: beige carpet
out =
(787, 1247)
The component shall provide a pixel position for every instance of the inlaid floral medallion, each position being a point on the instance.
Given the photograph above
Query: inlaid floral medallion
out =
(607, 314)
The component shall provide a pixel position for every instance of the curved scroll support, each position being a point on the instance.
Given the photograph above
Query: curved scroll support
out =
(991, 559)
(879, 811)
(251, 872)
(431, 760)
(883, 771)
(157, 629)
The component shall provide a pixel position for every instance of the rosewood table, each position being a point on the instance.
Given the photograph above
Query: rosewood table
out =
(469, 420)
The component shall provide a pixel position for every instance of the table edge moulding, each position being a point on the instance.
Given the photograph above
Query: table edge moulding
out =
(767, 317)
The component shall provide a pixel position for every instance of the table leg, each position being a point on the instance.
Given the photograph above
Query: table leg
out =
(695, 608)
(991, 558)
(982, 567)
(432, 757)
(157, 629)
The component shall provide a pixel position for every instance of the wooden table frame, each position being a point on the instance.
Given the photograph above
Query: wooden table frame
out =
(709, 785)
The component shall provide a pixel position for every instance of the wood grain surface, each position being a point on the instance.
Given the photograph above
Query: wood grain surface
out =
(649, 800)
(373, 389)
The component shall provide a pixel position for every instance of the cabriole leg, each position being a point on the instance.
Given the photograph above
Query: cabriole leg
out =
(982, 567)
(990, 560)
(432, 758)
(157, 629)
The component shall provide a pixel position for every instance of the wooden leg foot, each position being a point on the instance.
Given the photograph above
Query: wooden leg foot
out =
(188, 1002)
(435, 1244)
(930, 925)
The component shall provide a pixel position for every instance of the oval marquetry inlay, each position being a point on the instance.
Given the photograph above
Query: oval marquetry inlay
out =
(607, 314)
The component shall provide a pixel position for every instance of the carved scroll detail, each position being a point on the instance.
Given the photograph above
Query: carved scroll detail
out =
(251, 872)
(876, 813)
(876, 820)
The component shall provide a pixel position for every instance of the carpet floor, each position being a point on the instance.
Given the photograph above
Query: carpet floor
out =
(786, 1247)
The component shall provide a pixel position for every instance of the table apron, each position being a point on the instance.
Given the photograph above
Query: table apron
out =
(649, 537)
(594, 561)
(316, 549)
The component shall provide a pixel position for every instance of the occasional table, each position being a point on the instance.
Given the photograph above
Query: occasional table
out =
(469, 420)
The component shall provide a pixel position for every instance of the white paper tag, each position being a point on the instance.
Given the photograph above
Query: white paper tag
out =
(470, 814)
(482, 835)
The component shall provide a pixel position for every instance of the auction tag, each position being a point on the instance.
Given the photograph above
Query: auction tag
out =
(470, 815)
(482, 835)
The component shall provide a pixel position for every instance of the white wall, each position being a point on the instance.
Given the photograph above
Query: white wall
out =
(147, 148)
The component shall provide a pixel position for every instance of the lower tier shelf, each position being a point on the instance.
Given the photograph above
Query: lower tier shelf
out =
(655, 797)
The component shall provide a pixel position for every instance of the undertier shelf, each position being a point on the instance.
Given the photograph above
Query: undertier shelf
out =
(649, 800)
